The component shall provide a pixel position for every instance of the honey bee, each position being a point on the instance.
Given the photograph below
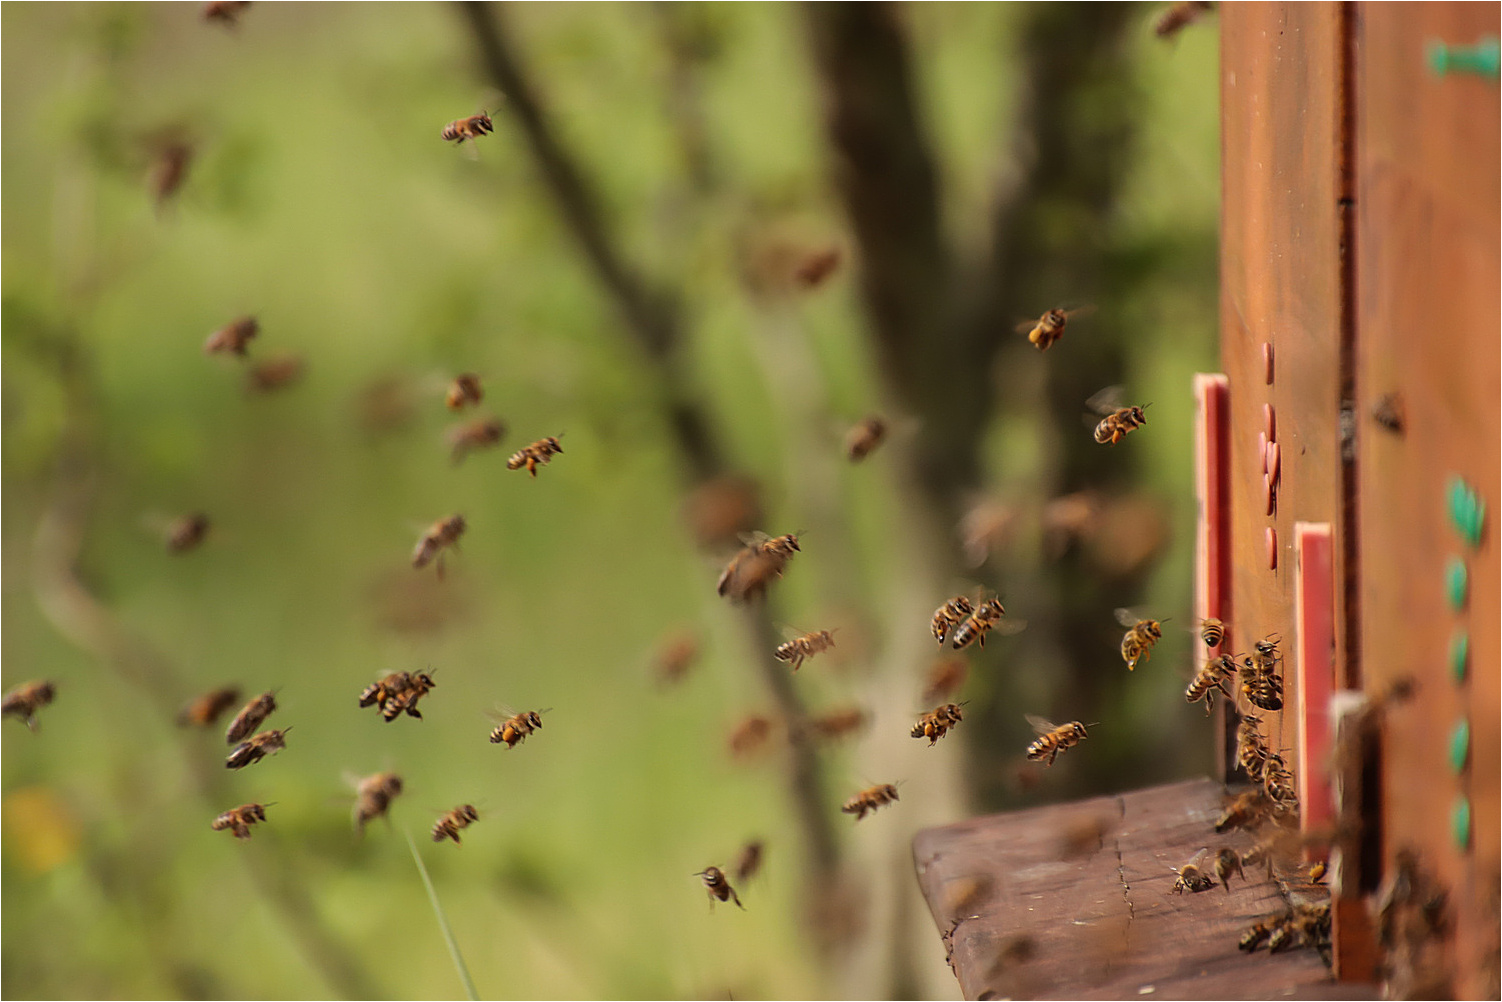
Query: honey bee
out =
(748, 863)
(373, 796)
(1307, 925)
(539, 453)
(464, 390)
(204, 710)
(514, 729)
(719, 887)
(239, 819)
(455, 821)
(1180, 16)
(1251, 751)
(1215, 675)
(1191, 877)
(1212, 632)
(816, 267)
(1227, 862)
(233, 337)
(985, 618)
(750, 735)
(1261, 684)
(936, 723)
(169, 170)
(806, 646)
(1261, 854)
(676, 656)
(1388, 413)
(1141, 635)
(472, 127)
(870, 799)
(441, 534)
(864, 438)
(1049, 328)
(987, 528)
(258, 747)
(251, 716)
(949, 615)
(1257, 934)
(187, 532)
(26, 699)
(838, 723)
(946, 676)
(760, 560)
(1248, 810)
(1053, 738)
(1317, 872)
(274, 374)
(1278, 784)
(1115, 421)
(227, 12)
(398, 693)
(481, 433)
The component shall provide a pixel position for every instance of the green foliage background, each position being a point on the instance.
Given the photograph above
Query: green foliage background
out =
(323, 202)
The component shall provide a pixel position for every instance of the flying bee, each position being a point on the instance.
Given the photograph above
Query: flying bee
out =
(513, 730)
(472, 127)
(1248, 810)
(750, 735)
(186, 533)
(239, 819)
(204, 710)
(398, 693)
(233, 337)
(817, 266)
(949, 615)
(756, 564)
(1053, 738)
(1141, 635)
(1212, 632)
(274, 373)
(946, 676)
(838, 723)
(251, 716)
(676, 656)
(226, 12)
(463, 391)
(441, 534)
(1257, 934)
(982, 621)
(748, 863)
(1115, 421)
(806, 646)
(258, 747)
(1260, 682)
(1306, 925)
(1388, 413)
(26, 699)
(455, 821)
(1251, 751)
(1227, 862)
(481, 433)
(1191, 877)
(539, 453)
(719, 887)
(1214, 675)
(936, 723)
(373, 796)
(870, 799)
(864, 438)
(1278, 783)
(1049, 328)
(1180, 16)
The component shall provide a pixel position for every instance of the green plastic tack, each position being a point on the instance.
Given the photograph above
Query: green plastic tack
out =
(1455, 583)
(1466, 510)
(1482, 59)
(1460, 823)
(1460, 746)
(1460, 656)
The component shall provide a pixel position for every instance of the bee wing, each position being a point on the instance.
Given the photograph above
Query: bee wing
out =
(1080, 311)
(1040, 725)
(500, 713)
(1107, 400)
(1025, 326)
(1009, 627)
(1127, 618)
(1194, 860)
(754, 539)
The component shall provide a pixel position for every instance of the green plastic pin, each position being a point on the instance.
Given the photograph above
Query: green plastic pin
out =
(1482, 59)
(1460, 823)
(1456, 585)
(1460, 746)
(1460, 656)
(1466, 510)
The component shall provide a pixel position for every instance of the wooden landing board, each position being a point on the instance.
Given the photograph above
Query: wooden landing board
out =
(1022, 921)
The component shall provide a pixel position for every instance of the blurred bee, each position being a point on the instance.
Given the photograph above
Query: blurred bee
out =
(1116, 421)
(1227, 862)
(748, 863)
(1260, 682)
(1261, 854)
(1141, 635)
(1049, 328)
(719, 510)
(1267, 648)
(750, 735)
(1257, 934)
(258, 747)
(817, 266)
(472, 127)
(233, 337)
(1306, 925)
(227, 12)
(251, 716)
(1251, 751)
(945, 678)
(514, 729)
(463, 391)
(985, 618)
(398, 693)
(1214, 675)
(239, 819)
(1084, 835)
(949, 615)
(838, 723)
(1180, 16)
(1053, 738)
(373, 796)
(806, 646)
(187, 532)
(675, 657)
(169, 170)
(936, 723)
(273, 374)
(481, 433)
(963, 894)
(760, 560)
(1248, 810)
(719, 887)
(986, 529)
(1388, 413)
(539, 453)
(864, 438)
(26, 699)
(1191, 877)
(455, 821)
(204, 710)
(870, 799)
(441, 534)
(1212, 632)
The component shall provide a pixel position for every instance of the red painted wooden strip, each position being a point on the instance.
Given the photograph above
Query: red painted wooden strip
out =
(1314, 600)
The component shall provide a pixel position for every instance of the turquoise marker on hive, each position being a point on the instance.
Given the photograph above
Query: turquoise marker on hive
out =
(1482, 59)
